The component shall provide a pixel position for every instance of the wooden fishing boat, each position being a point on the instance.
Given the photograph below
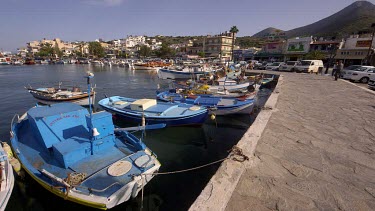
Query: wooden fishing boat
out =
(51, 95)
(153, 112)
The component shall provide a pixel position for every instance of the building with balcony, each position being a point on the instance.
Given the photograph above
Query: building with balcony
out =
(219, 46)
(355, 49)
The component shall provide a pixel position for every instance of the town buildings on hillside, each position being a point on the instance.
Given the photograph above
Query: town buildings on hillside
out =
(353, 50)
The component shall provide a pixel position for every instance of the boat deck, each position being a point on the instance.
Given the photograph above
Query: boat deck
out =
(94, 166)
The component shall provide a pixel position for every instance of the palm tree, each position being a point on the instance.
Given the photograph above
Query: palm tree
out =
(234, 31)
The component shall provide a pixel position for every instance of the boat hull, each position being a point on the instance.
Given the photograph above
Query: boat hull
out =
(174, 74)
(244, 104)
(171, 114)
(170, 122)
(83, 100)
(99, 188)
(7, 180)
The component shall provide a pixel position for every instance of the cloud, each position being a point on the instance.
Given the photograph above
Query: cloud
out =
(109, 3)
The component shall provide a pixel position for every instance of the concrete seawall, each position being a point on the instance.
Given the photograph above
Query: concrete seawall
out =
(313, 150)
(219, 190)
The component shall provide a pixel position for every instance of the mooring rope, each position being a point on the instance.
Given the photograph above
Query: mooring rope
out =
(236, 154)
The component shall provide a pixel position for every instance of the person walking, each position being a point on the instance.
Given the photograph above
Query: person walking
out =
(339, 68)
(334, 68)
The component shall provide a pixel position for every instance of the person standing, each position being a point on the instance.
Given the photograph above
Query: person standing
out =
(334, 68)
(339, 68)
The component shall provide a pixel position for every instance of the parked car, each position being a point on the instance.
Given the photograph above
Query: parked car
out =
(351, 67)
(274, 66)
(289, 66)
(371, 82)
(361, 74)
(262, 66)
(309, 66)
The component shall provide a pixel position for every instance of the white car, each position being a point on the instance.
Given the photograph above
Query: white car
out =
(351, 67)
(361, 74)
(371, 83)
(289, 66)
(274, 66)
(309, 66)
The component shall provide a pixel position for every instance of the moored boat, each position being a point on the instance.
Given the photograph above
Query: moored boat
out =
(216, 105)
(6, 175)
(51, 95)
(185, 72)
(153, 112)
(81, 156)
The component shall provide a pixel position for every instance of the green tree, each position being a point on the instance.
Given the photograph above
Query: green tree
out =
(144, 51)
(315, 55)
(57, 51)
(165, 51)
(45, 50)
(96, 49)
(234, 31)
(201, 54)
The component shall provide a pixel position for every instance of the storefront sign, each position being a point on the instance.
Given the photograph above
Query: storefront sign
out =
(363, 43)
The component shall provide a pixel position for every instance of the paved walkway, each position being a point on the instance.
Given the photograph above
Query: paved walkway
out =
(317, 151)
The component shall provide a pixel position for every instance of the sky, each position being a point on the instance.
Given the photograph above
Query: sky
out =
(22, 21)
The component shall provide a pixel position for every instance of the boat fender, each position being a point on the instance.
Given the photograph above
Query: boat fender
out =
(213, 116)
(12, 160)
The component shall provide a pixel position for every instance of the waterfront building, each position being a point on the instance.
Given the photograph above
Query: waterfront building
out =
(327, 47)
(22, 52)
(296, 48)
(271, 51)
(355, 49)
(245, 54)
(132, 41)
(219, 46)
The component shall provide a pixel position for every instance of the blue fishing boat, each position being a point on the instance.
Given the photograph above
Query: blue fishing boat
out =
(81, 156)
(216, 105)
(153, 112)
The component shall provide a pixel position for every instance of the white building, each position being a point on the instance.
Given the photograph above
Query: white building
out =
(355, 49)
(132, 41)
(297, 47)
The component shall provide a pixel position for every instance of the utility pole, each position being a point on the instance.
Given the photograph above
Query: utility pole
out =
(369, 47)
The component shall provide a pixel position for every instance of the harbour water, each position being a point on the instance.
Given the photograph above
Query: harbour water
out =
(177, 148)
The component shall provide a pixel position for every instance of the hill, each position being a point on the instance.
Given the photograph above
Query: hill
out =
(352, 19)
(267, 31)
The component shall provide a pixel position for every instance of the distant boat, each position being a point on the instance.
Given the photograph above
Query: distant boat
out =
(153, 112)
(51, 95)
(5, 61)
(185, 72)
(217, 105)
(6, 175)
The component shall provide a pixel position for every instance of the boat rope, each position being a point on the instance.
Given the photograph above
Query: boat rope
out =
(236, 154)
(74, 179)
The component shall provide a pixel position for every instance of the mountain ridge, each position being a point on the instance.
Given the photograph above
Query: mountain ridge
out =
(356, 17)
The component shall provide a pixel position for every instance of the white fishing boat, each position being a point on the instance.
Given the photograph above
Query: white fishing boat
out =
(184, 72)
(6, 174)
